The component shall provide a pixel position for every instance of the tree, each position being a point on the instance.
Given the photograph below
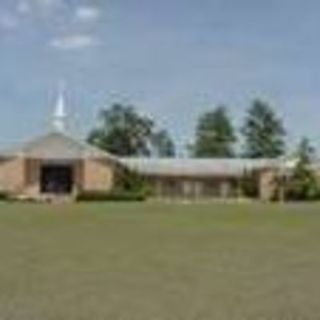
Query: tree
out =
(122, 131)
(163, 145)
(215, 135)
(303, 183)
(263, 132)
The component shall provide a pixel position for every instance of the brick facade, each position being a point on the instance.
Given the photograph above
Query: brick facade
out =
(12, 175)
(20, 176)
(98, 175)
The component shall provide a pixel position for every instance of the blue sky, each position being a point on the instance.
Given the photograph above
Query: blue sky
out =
(173, 59)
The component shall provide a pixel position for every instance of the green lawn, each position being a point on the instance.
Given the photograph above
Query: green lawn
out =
(159, 261)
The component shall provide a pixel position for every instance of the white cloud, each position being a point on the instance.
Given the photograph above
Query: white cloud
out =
(47, 3)
(74, 42)
(28, 6)
(8, 21)
(23, 7)
(87, 13)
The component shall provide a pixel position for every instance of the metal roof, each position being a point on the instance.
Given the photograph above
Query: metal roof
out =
(197, 167)
(57, 146)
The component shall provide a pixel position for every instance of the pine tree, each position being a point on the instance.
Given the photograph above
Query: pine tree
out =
(215, 136)
(263, 132)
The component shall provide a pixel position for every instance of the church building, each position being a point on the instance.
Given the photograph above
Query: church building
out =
(58, 165)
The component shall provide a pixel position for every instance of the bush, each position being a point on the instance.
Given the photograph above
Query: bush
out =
(250, 185)
(303, 184)
(309, 191)
(131, 182)
(4, 196)
(111, 196)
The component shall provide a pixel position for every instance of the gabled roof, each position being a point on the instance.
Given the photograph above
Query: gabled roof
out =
(57, 146)
(197, 167)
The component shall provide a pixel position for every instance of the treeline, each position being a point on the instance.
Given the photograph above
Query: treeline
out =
(123, 131)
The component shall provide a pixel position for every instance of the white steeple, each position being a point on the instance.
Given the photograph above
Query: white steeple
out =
(60, 117)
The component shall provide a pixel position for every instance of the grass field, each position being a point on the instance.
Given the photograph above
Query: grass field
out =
(159, 261)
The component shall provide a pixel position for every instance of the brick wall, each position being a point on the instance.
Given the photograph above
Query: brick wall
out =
(12, 175)
(98, 175)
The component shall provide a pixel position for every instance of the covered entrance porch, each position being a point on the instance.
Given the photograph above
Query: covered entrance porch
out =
(49, 179)
(57, 179)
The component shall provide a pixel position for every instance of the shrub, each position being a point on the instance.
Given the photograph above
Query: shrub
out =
(111, 196)
(130, 181)
(303, 184)
(4, 196)
(250, 185)
(302, 191)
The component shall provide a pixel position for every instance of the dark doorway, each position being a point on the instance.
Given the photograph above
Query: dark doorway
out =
(56, 179)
